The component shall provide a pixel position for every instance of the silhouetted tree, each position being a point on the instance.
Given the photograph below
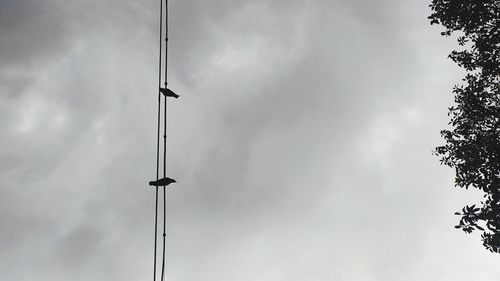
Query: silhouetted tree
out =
(473, 143)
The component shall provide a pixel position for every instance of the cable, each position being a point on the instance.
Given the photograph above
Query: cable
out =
(165, 146)
(158, 142)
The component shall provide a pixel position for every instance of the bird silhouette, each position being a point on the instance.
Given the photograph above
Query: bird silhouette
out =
(168, 93)
(162, 182)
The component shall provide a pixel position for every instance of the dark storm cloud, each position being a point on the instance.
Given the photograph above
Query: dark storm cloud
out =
(32, 30)
(42, 42)
(54, 69)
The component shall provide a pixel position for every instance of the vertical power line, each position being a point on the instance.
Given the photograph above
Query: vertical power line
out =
(163, 266)
(158, 140)
(165, 146)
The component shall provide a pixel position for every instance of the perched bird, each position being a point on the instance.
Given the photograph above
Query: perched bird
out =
(168, 93)
(162, 182)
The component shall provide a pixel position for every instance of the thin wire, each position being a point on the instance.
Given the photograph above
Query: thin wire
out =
(158, 141)
(165, 146)
(164, 187)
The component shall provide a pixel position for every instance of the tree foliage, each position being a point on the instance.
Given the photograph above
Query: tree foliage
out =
(472, 145)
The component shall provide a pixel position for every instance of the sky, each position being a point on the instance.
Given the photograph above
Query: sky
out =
(302, 142)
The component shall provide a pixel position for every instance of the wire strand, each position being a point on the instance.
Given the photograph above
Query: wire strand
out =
(158, 142)
(163, 267)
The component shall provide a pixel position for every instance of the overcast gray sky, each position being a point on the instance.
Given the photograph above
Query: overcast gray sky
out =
(302, 142)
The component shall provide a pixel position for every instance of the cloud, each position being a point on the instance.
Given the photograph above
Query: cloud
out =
(301, 142)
